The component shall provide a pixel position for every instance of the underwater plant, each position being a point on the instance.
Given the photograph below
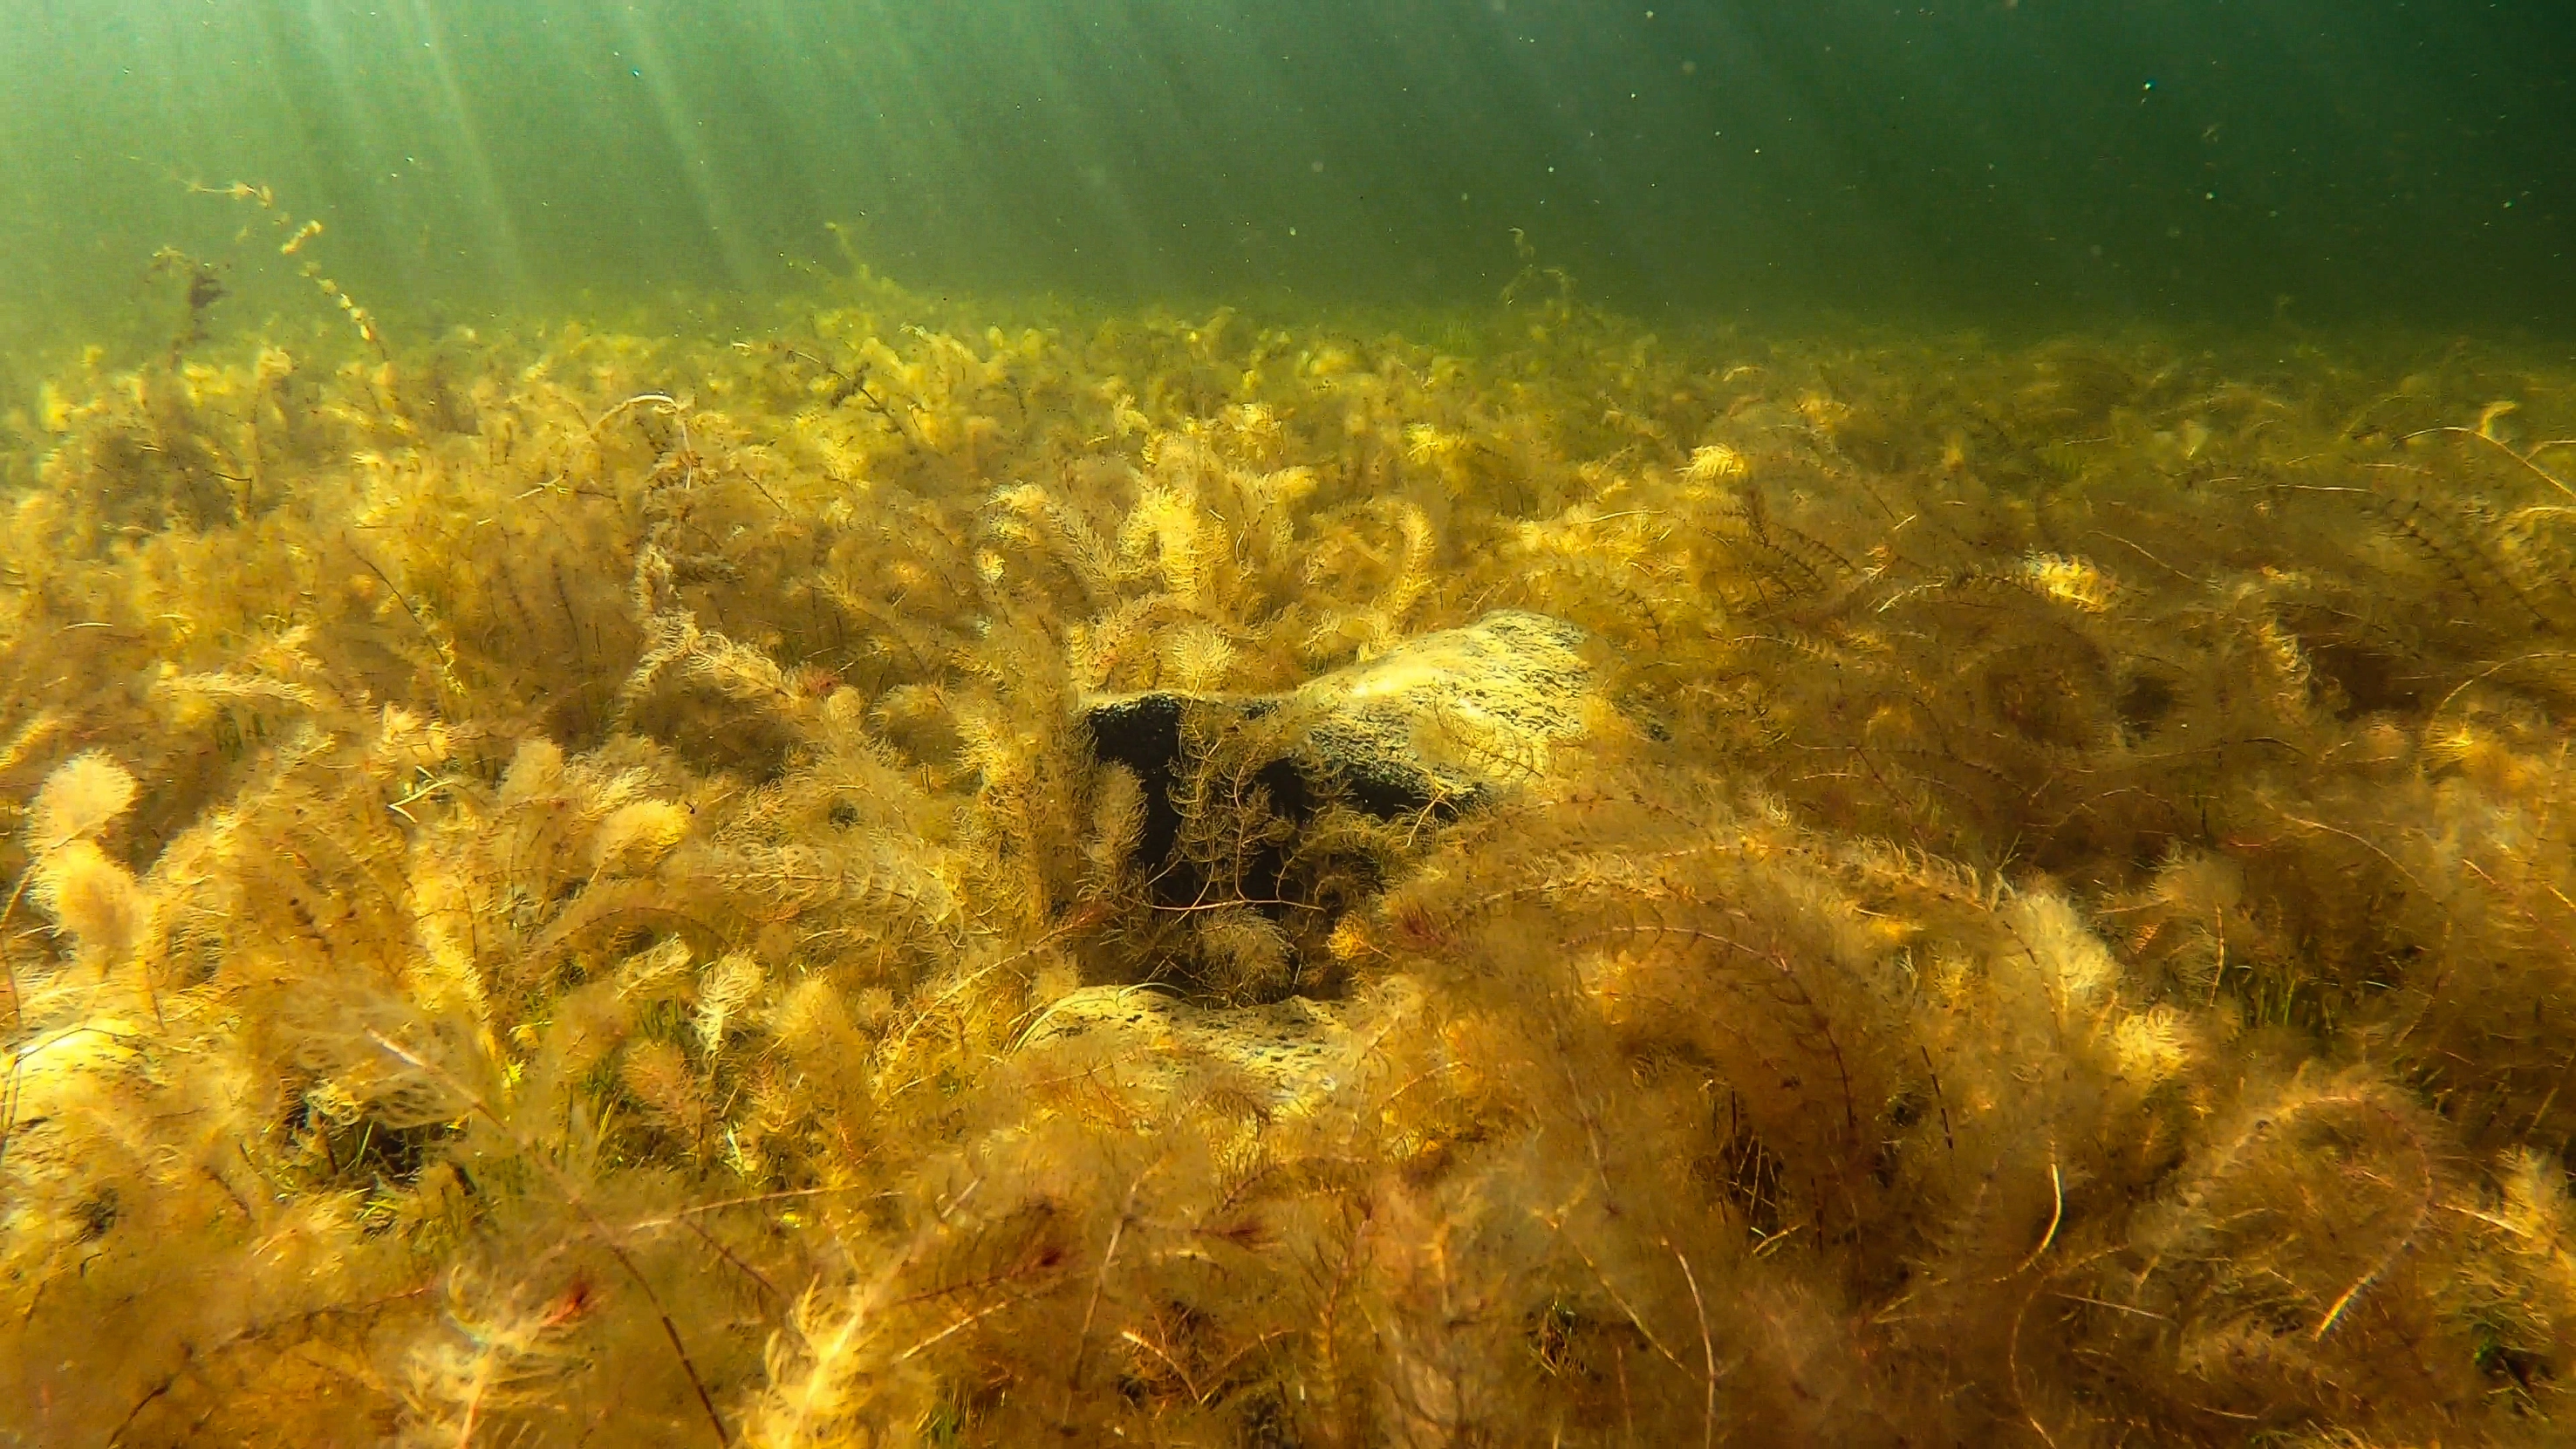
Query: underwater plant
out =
(571, 887)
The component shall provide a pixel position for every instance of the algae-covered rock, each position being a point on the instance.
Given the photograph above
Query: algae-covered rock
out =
(1435, 727)
(1451, 717)
(1287, 1056)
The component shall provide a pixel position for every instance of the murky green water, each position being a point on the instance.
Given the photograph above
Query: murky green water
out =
(2006, 163)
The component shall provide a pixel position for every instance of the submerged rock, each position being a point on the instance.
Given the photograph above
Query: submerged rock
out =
(1288, 1056)
(1436, 727)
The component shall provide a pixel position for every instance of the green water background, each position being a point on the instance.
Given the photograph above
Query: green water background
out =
(2010, 164)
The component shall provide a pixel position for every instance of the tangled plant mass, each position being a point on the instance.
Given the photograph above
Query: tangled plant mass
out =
(561, 892)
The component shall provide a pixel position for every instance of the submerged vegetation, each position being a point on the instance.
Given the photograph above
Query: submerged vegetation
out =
(560, 893)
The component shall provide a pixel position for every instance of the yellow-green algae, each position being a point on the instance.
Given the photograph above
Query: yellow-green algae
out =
(559, 896)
